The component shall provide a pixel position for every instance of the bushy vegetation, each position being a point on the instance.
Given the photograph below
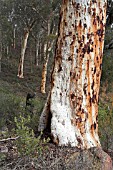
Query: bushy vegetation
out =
(27, 143)
(106, 126)
(21, 122)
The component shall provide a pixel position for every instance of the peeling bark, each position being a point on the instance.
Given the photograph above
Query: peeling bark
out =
(23, 49)
(76, 74)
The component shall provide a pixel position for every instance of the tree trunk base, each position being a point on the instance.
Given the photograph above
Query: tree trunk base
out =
(20, 76)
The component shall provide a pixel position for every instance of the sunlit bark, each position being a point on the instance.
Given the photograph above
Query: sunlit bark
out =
(76, 74)
(44, 69)
(47, 45)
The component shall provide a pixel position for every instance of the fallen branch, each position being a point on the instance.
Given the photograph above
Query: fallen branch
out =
(8, 139)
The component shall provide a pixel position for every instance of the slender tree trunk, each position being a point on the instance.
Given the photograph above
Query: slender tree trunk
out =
(40, 50)
(23, 49)
(46, 58)
(44, 69)
(31, 59)
(37, 52)
(7, 51)
(14, 36)
(76, 75)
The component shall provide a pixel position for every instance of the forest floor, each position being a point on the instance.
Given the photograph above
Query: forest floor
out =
(58, 158)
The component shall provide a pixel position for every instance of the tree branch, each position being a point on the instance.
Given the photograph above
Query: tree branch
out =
(109, 46)
(8, 139)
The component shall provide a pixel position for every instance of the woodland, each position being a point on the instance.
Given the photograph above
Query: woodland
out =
(28, 34)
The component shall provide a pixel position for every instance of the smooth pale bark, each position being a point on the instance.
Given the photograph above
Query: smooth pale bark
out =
(37, 53)
(7, 51)
(23, 49)
(76, 75)
(14, 36)
(44, 69)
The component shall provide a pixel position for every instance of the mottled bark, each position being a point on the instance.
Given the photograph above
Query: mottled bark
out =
(76, 73)
(23, 49)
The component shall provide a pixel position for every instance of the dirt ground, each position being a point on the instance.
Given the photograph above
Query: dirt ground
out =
(59, 158)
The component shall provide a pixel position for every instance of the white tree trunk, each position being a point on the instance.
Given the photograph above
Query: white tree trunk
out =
(44, 69)
(37, 53)
(23, 49)
(14, 36)
(76, 74)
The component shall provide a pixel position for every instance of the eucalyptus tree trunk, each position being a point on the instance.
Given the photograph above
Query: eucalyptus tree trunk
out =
(14, 36)
(72, 104)
(46, 58)
(23, 49)
(37, 52)
(44, 69)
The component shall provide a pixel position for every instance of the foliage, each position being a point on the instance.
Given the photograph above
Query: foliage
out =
(12, 105)
(18, 120)
(34, 111)
(107, 69)
(9, 105)
(2, 157)
(105, 125)
(28, 144)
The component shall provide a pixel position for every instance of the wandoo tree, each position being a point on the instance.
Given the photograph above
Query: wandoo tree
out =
(71, 110)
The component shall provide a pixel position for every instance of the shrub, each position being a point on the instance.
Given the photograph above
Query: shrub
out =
(10, 106)
(27, 143)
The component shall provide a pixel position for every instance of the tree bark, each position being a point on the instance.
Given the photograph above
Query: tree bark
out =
(76, 74)
(14, 36)
(37, 52)
(44, 69)
(46, 58)
(23, 49)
